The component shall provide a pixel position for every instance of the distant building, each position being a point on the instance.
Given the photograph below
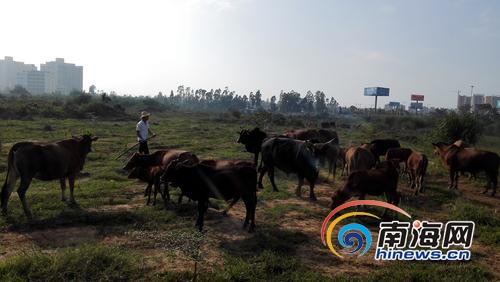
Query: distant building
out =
(62, 77)
(463, 101)
(477, 99)
(33, 81)
(494, 101)
(9, 70)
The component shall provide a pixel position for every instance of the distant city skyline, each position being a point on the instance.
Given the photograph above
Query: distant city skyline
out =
(428, 47)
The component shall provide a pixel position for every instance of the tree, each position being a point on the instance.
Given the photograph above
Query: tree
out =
(258, 99)
(273, 107)
(19, 90)
(92, 89)
(320, 102)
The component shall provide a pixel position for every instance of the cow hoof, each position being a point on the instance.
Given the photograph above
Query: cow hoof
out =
(485, 191)
(251, 229)
(493, 194)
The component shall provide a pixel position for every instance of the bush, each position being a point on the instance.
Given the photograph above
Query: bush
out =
(454, 127)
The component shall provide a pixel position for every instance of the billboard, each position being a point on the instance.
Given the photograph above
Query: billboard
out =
(417, 97)
(498, 104)
(416, 106)
(394, 104)
(376, 91)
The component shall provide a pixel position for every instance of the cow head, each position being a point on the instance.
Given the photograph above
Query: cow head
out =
(440, 148)
(85, 142)
(133, 161)
(252, 139)
(338, 198)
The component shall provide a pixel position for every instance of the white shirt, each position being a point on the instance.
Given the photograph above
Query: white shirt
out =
(142, 127)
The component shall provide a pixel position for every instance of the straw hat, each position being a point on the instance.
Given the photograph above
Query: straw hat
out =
(145, 114)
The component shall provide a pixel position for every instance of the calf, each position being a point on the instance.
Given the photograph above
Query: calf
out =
(200, 182)
(417, 168)
(150, 175)
(376, 182)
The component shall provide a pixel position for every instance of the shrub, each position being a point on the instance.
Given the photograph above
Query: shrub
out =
(454, 127)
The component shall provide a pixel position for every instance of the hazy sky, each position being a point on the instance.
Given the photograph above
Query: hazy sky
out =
(143, 47)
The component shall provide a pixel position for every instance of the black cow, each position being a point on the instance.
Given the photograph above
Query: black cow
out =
(200, 182)
(290, 156)
(252, 139)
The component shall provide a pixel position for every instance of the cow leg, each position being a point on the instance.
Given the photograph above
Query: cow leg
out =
(312, 197)
(156, 187)
(202, 208)
(234, 201)
(494, 180)
(271, 178)
(452, 178)
(71, 181)
(21, 191)
(7, 188)
(250, 205)
(62, 181)
(148, 193)
(334, 171)
(256, 159)
(262, 172)
(298, 190)
(456, 181)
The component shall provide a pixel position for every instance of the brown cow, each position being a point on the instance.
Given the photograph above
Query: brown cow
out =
(417, 168)
(358, 158)
(468, 160)
(61, 160)
(330, 152)
(342, 159)
(376, 182)
(159, 158)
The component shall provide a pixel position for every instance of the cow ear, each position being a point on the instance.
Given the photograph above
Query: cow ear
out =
(95, 138)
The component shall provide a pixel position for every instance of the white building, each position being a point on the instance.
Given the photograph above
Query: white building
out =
(9, 70)
(62, 77)
(33, 81)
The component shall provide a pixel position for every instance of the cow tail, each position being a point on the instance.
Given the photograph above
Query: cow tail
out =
(11, 177)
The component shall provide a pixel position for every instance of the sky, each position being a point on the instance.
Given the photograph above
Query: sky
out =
(434, 48)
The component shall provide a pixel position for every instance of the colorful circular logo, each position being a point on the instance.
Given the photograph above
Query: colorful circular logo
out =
(353, 236)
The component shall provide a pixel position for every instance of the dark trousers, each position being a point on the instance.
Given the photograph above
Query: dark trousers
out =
(143, 147)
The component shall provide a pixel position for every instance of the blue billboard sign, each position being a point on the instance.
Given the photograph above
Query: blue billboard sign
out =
(376, 91)
(394, 104)
(416, 106)
(498, 104)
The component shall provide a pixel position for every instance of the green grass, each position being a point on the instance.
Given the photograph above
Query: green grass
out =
(268, 254)
(84, 263)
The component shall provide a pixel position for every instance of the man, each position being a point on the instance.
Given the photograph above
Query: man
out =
(143, 130)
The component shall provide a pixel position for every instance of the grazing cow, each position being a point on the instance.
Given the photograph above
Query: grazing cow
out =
(290, 156)
(313, 135)
(200, 182)
(379, 147)
(330, 152)
(398, 155)
(375, 182)
(358, 158)
(151, 175)
(60, 160)
(417, 168)
(252, 139)
(468, 160)
(159, 158)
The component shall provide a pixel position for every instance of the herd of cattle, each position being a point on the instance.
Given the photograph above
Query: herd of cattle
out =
(299, 152)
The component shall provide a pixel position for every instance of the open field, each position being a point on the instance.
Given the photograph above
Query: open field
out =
(112, 235)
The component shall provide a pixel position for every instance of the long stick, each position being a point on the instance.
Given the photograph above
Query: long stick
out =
(135, 145)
